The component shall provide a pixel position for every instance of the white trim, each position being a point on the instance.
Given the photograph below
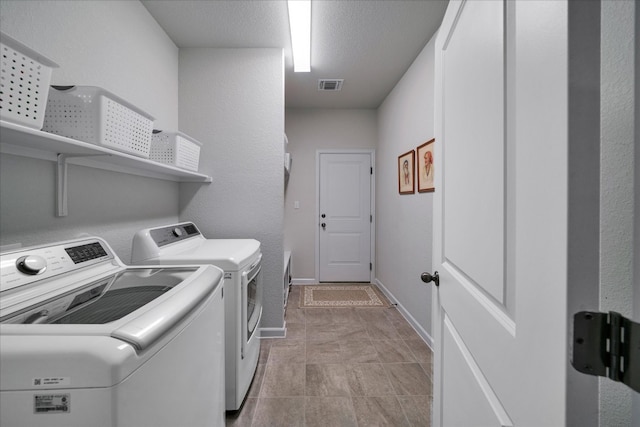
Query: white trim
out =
(372, 254)
(273, 332)
(405, 313)
(308, 282)
(304, 282)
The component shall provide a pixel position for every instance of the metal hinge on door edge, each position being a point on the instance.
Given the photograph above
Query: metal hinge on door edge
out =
(607, 345)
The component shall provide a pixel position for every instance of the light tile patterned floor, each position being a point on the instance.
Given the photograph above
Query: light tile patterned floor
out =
(340, 367)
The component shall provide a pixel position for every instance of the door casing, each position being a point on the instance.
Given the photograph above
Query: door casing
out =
(372, 254)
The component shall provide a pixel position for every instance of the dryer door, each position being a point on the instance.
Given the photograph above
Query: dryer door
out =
(252, 300)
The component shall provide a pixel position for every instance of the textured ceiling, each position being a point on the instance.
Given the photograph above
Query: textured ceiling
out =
(368, 43)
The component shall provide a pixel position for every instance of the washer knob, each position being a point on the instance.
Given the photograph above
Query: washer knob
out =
(177, 232)
(31, 264)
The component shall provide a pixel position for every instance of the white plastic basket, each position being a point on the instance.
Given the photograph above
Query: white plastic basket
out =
(24, 83)
(92, 114)
(175, 148)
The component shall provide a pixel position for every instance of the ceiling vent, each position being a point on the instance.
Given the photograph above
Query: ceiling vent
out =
(330, 85)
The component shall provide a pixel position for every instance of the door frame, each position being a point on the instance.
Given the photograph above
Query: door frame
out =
(372, 253)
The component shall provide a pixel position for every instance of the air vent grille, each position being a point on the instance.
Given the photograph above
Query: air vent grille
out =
(330, 85)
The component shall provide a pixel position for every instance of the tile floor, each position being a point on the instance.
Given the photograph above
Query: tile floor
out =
(340, 367)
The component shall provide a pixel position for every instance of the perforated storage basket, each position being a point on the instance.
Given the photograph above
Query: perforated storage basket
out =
(24, 83)
(92, 114)
(176, 149)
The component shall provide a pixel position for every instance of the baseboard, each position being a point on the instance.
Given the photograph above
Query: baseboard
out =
(304, 282)
(408, 317)
(274, 332)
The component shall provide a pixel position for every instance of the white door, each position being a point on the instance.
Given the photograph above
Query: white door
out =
(345, 217)
(500, 214)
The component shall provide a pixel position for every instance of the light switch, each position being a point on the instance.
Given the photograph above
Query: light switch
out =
(296, 204)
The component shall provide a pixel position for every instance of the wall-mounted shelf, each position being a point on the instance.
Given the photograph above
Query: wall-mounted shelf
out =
(286, 279)
(23, 141)
(287, 161)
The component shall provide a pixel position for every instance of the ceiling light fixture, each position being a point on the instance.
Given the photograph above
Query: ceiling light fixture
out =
(300, 29)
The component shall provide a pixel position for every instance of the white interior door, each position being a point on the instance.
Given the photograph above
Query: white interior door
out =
(500, 214)
(344, 220)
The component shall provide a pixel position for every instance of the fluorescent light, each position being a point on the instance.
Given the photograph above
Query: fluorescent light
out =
(300, 28)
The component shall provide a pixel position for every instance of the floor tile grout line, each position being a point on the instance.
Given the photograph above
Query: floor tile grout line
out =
(368, 340)
(353, 410)
(404, 412)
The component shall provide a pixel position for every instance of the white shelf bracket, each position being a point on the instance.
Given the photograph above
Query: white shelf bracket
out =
(61, 182)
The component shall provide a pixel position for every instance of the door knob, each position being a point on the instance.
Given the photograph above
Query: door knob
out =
(323, 225)
(426, 278)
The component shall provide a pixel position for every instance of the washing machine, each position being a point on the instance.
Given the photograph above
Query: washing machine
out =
(240, 259)
(88, 341)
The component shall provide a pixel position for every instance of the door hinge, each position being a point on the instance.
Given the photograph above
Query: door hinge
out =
(372, 171)
(370, 266)
(371, 218)
(607, 345)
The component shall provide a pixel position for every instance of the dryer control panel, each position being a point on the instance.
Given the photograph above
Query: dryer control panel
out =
(174, 233)
(29, 265)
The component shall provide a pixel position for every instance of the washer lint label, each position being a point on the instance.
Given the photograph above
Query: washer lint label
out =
(51, 381)
(52, 403)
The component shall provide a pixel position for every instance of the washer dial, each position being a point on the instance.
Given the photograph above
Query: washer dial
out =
(31, 264)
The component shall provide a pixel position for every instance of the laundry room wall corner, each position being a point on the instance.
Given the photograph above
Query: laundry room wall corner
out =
(240, 123)
(117, 46)
(308, 132)
(404, 224)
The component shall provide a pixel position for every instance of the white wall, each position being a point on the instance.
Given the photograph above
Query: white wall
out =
(617, 185)
(120, 47)
(309, 130)
(404, 222)
(232, 100)
(115, 45)
(636, 270)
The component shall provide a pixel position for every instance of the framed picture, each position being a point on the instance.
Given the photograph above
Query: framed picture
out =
(425, 167)
(406, 171)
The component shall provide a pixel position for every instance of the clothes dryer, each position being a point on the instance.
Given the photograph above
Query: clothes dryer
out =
(240, 259)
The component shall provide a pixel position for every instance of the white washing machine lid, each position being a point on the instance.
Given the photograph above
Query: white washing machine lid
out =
(107, 349)
(136, 305)
(227, 254)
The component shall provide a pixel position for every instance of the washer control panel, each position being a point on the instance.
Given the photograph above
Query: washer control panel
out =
(29, 265)
(174, 233)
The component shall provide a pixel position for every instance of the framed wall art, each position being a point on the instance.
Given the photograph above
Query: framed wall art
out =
(425, 167)
(406, 172)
